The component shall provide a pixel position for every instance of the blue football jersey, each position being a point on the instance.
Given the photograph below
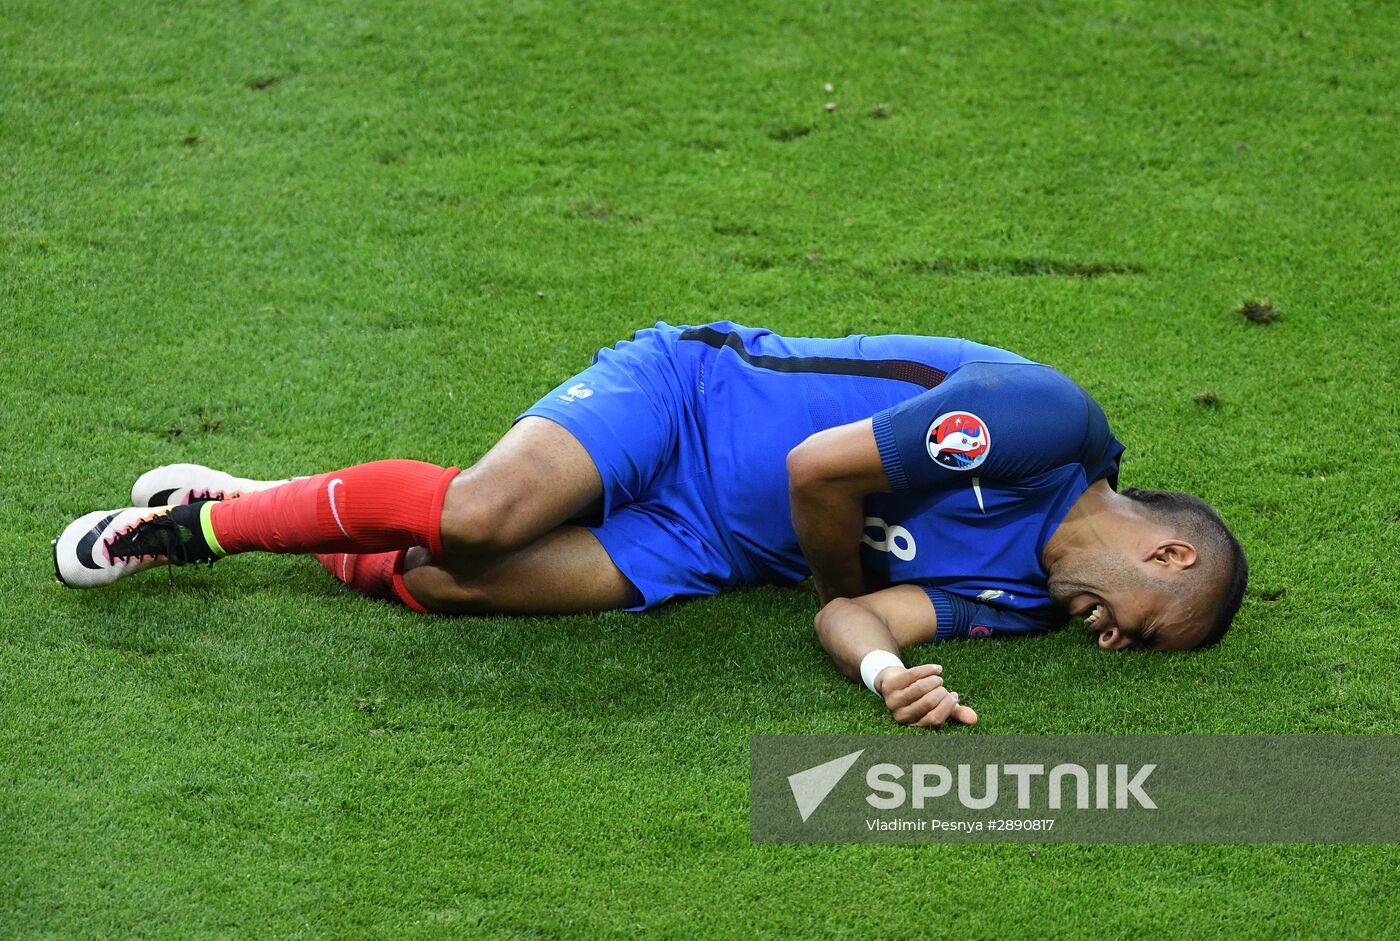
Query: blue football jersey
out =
(985, 453)
(983, 468)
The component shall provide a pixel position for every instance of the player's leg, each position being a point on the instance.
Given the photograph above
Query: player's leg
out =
(665, 545)
(535, 478)
(564, 572)
(478, 513)
(602, 435)
(371, 574)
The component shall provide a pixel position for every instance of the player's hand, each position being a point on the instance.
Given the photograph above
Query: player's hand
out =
(917, 697)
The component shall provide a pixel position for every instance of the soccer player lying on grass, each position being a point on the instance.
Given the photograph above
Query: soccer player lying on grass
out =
(932, 488)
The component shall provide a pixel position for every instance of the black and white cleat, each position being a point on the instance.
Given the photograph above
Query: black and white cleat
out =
(176, 484)
(107, 545)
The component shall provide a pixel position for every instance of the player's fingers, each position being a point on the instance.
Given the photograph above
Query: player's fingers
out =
(964, 715)
(914, 713)
(920, 670)
(892, 678)
(898, 698)
(939, 713)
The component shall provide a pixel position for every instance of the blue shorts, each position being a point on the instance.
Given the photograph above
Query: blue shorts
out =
(633, 410)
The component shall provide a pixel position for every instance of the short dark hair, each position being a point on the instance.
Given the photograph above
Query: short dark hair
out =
(1213, 541)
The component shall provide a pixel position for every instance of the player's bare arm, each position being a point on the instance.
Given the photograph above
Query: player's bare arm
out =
(889, 620)
(829, 476)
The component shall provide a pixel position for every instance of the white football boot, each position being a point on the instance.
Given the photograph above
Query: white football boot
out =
(101, 547)
(177, 484)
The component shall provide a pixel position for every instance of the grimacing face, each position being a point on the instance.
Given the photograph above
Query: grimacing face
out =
(1128, 606)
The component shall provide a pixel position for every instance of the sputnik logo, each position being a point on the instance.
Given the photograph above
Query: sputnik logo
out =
(811, 787)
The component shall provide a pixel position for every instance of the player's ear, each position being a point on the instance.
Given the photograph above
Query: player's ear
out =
(1174, 554)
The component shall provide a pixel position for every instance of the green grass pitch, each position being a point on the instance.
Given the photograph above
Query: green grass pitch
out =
(281, 237)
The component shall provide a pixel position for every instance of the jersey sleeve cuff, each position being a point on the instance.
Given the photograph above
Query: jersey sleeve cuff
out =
(952, 617)
(889, 451)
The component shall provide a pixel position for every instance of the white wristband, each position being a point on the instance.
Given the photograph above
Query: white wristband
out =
(873, 663)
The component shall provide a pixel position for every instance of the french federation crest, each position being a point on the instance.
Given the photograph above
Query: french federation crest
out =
(959, 441)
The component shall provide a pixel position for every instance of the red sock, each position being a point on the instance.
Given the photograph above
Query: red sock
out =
(371, 574)
(377, 507)
(378, 575)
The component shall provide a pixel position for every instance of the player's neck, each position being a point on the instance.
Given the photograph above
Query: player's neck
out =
(1091, 523)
